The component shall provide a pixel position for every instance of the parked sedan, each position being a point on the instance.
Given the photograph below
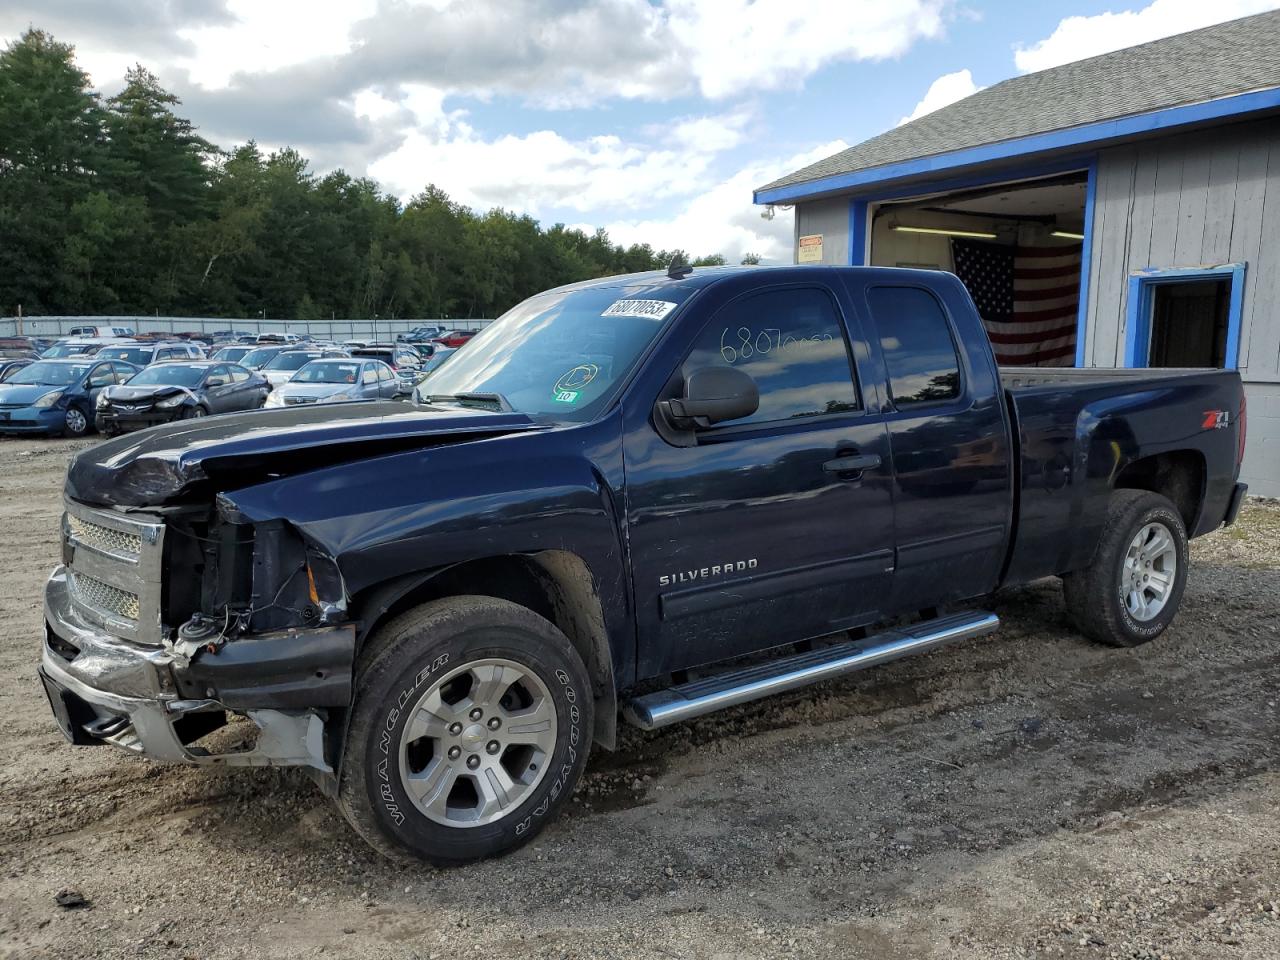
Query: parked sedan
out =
(284, 365)
(259, 357)
(57, 396)
(179, 390)
(337, 381)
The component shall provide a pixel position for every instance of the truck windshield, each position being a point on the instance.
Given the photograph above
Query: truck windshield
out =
(559, 354)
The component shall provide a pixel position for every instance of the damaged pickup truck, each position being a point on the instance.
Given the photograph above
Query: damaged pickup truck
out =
(655, 495)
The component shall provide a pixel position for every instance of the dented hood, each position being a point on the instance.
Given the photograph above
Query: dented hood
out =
(194, 458)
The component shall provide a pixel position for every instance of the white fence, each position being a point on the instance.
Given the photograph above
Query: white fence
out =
(321, 329)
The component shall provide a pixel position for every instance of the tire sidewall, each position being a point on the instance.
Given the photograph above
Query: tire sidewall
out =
(389, 702)
(1140, 631)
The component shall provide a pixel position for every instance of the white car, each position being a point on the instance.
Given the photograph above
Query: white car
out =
(281, 368)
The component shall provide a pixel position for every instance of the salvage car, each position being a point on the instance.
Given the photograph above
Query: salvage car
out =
(57, 396)
(178, 390)
(658, 495)
(281, 368)
(143, 354)
(337, 381)
(232, 353)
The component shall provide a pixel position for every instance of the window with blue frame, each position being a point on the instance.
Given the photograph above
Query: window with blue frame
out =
(1185, 317)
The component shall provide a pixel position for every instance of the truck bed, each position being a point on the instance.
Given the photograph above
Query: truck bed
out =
(1074, 430)
(1016, 378)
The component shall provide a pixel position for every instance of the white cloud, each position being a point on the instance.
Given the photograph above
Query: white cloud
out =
(723, 219)
(1076, 38)
(946, 90)
(541, 170)
(734, 46)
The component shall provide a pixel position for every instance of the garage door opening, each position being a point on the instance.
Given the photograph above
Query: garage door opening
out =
(1018, 249)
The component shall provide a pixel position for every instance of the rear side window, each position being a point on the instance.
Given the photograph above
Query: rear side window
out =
(791, 343)
(918, 348)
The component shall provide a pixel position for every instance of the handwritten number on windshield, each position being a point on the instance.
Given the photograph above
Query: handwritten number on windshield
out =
(745, 343)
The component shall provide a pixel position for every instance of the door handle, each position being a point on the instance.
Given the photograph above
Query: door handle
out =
(852, 464)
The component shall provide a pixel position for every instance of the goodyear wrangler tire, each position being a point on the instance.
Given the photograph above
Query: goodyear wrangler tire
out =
(1131, 590)
(471, 725)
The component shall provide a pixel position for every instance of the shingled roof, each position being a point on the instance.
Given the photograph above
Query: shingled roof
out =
(1219, 61)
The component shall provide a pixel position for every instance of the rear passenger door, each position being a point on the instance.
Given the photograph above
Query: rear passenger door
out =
(771, 528)
(947, 435)
(244, 395)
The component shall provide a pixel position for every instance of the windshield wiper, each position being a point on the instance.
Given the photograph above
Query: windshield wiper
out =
(495, 400)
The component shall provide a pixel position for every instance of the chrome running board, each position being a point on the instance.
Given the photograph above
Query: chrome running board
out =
(676, 704)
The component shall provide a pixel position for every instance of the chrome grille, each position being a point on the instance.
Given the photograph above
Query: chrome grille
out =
(105, 597)
(115, 565)
(296, 400)
(103, 538)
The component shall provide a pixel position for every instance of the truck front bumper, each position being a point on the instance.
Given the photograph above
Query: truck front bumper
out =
(106, 690)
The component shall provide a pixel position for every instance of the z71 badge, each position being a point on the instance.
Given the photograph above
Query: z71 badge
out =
(1216, 420)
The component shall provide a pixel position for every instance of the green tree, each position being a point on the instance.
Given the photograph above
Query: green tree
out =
(51, 137)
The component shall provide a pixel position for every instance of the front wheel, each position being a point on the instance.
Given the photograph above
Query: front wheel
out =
(1131, 590)
(77, 424)
(471, 726)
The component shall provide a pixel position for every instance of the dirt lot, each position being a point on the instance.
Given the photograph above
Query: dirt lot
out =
(1028, 794)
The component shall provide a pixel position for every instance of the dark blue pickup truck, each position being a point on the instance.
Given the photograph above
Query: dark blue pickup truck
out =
(651, 496)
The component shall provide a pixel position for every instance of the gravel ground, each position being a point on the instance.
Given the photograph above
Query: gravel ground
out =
(1027, 794)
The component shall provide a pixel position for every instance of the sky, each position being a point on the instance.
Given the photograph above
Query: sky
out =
(652, 118)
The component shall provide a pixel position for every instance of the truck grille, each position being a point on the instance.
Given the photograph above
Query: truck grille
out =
(105, 597)
(115, 566)
(108, 539)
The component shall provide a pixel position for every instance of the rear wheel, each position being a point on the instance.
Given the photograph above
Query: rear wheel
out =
(470, 728)
(1131, 590)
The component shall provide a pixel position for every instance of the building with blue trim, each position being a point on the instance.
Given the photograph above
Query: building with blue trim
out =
(1118, 211)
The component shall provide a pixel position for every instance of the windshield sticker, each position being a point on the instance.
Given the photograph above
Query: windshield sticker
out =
(565, 396)
(577, 378)
(652, 309)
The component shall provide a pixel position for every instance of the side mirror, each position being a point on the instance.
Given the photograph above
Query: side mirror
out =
(713, 395)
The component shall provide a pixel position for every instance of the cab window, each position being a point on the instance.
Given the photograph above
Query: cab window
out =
(791, 342)
(919, 350)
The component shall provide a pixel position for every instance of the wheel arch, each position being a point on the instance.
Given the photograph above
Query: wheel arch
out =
(1178, 475)
(555, 584)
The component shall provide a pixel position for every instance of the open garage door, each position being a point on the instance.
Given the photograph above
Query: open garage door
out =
(1016, 246)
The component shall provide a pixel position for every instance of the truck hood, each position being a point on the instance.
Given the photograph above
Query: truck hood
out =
(197, 458)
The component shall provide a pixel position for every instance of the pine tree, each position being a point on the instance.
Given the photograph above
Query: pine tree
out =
(51, 138)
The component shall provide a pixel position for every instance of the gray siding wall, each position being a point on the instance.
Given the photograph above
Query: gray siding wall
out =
(829, 218)
(1203, 198)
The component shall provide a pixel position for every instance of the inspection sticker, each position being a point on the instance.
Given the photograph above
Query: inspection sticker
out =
(566, 396)
(654, 309)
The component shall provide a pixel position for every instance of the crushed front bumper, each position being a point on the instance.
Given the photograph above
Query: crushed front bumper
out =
(105, 690)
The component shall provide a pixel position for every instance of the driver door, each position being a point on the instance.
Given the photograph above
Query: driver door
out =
(218, 395)
(752, 536)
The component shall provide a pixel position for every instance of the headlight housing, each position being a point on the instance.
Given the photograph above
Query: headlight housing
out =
(274, 400)
(341, 396)
(48, 400)
(168, 403)
(102, 400)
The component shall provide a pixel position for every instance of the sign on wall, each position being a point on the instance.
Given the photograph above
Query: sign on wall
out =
(810, 249)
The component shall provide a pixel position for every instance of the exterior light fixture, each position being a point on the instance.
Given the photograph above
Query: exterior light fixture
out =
(945, 232)
(1066, 234)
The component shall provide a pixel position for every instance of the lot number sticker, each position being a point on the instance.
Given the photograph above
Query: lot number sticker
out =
(652, 309)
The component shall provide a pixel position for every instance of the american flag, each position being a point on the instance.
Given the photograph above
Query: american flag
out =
(1028, 297)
